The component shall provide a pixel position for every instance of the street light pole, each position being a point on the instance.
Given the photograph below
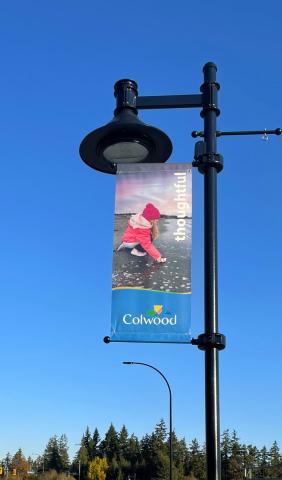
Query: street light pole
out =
(79, 463)
(94, 151)
(126, 134)
(209, 163)
(209, 113)
(170, 409)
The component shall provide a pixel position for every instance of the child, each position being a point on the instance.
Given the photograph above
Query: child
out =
(142, 229)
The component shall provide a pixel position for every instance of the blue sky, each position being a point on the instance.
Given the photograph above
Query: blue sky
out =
(59, 62)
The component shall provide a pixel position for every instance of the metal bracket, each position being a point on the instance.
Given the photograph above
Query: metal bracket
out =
(203, 160)
(277, 131)
(210, 90)
(169, 101)
(206, 341)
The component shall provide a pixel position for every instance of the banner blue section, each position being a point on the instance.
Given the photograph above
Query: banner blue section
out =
(150, 316)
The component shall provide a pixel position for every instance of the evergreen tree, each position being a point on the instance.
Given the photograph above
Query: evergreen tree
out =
(145, 468)
(161, 465)
(7, 462)
(123, 443)
(51, 455)
(81, 462)
(160, 435)
(225, 453)
(275, 460)
(250, 460)
(155, 453)
(114, 470)
(134, 456)
(63, 452)
(125, 469)
(56, 454)
(146, 446)
(235, 468)
(82, 456)
(180, 458)
(179, 450)
(109, 446)
(133, 450)
(86, 442)
(39, 464)
(197, 461)
(186, 466)
(95, 444)
(263, 462)
(128, 459)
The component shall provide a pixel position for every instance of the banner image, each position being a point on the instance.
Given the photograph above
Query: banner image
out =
(151, 280)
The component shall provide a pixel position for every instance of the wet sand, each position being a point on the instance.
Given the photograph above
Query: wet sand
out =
(144, 272)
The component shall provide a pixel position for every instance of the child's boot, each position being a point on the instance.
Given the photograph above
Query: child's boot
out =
(137, 253)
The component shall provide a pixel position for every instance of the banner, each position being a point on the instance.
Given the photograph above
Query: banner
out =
(151, 281)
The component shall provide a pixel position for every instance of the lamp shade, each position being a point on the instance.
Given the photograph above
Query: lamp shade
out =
(126, 139)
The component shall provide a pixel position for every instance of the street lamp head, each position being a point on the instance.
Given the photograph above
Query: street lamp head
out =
(128, 363)
(125, 139)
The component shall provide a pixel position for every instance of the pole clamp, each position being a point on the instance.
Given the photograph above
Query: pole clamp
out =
(203, 160)
(209, 90)
(213, 340)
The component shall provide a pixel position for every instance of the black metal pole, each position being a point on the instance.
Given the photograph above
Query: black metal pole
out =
(170, 409)
(209, 113)
(209, 162)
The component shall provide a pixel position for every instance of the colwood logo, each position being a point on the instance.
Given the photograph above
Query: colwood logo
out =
(155, 316)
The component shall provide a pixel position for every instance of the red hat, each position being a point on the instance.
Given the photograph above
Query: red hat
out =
(150, 212)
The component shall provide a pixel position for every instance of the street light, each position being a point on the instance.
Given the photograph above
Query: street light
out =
(126, 139)
(208, 162)
(170, 409)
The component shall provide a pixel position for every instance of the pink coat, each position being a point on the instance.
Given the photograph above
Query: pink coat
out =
(139, 230)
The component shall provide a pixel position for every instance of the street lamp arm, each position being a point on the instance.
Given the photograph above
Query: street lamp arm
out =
(170, 408)
(169, 101)
(277, 131)
(154, 368)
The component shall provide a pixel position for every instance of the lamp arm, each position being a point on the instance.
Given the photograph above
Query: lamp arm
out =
(169, 101)
(277, 131)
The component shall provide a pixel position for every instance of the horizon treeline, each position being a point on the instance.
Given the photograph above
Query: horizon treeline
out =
(120, 456)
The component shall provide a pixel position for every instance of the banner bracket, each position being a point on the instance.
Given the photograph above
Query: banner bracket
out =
(204, 160)
(207, 341)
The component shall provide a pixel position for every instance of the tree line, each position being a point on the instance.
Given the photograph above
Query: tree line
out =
(120, 456)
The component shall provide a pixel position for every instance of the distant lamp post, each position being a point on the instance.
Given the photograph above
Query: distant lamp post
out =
(79, 463)
(170, 409)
